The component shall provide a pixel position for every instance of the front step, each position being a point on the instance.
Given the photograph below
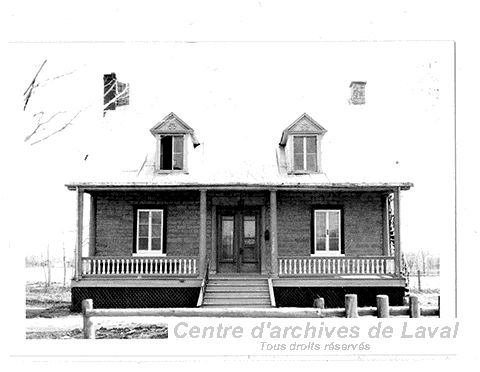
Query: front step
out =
(237, 292)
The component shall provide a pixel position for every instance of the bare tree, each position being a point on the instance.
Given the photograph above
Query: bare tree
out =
(47, 124)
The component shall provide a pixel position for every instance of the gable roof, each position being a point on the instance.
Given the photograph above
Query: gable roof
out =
(304, 124)
(171, 124)
(250, 161)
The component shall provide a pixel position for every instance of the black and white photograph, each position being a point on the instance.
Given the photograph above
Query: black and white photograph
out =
(227, 198)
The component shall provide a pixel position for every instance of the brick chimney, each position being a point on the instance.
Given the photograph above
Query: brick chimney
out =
(357, 92)
(109, 90)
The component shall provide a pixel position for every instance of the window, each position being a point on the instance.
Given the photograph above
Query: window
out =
(150, 232)
(171, 152)
(327, 232)
(305, 153)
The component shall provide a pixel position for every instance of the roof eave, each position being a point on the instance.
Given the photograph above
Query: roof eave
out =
(242, 186)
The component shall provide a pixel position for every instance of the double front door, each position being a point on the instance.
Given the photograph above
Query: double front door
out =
(238, 240)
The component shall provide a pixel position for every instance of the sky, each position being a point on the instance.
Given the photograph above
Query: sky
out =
(236, 95)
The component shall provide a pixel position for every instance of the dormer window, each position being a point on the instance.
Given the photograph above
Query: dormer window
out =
(172, 152)
(305, 153)
(301, 143)
(173, 136)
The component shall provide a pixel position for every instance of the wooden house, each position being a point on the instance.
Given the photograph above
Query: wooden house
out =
(180, 233)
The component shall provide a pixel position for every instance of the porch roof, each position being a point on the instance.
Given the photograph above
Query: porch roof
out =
(290, 186)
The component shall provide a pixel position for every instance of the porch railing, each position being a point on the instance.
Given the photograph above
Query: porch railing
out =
(128, 266)
(336, 265)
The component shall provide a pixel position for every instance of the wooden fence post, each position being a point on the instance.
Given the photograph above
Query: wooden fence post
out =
(319, 303)
(88, 325)
(383, 308)
(351, 308)
(419, 281)
(414, 307)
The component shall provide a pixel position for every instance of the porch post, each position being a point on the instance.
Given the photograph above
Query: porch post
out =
(213, 259)
(202, 249)
(398, 254)
(273, 231)
(386, 231)
(263, 248)
(79, 244)
(92, 225)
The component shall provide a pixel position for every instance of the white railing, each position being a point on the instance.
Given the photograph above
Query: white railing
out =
(127, 266)
(336, 265)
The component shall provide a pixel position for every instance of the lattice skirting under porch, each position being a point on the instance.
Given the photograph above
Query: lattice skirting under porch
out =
(335, 296)
(135, 297)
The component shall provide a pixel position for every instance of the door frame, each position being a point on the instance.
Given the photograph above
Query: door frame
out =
(238, 213)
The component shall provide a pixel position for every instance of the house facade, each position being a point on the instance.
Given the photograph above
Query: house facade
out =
(281, 235)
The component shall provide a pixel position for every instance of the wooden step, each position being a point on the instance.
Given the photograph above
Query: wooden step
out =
(237, 284)
(238, 306)
(247, 295)
(236, 289)
(236, 301)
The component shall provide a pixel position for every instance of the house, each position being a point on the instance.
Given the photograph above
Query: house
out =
(180, 232)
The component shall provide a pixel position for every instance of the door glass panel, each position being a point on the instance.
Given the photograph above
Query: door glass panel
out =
(320, 230)
(227, 237)
(249, 230)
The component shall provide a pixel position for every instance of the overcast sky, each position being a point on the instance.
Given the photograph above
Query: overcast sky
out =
(237, 95)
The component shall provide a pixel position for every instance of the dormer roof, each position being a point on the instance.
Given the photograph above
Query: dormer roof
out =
(172, 124)
(303, 125)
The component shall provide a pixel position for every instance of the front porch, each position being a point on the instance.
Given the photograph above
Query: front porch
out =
(205, 228)
(293, 271)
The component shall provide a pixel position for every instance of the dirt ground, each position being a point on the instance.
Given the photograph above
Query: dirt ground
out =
(48, 315)
(47, 311)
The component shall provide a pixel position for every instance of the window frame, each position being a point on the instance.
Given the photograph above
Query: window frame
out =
(317, 153)
(159, 153)
(341, 247)
(163, 234)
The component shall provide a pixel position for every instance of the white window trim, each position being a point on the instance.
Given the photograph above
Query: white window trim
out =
(159, 152)
(292, 153)
(327, 252)
(149, 252)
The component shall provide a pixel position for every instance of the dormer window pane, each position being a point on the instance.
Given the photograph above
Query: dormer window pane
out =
(171, 152)
(311, 156)
(298, 153)
(178, 152)
(305, 153)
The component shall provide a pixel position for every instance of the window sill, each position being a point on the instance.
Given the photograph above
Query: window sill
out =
(173, 171)
(149, 254)
(328, 254)
(294, 173)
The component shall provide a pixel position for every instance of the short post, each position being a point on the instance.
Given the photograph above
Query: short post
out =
(383, 308)
(351, 307)
(439, 306)
(319, 303)
(88, 325)
(414, 307)
(419, 281)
